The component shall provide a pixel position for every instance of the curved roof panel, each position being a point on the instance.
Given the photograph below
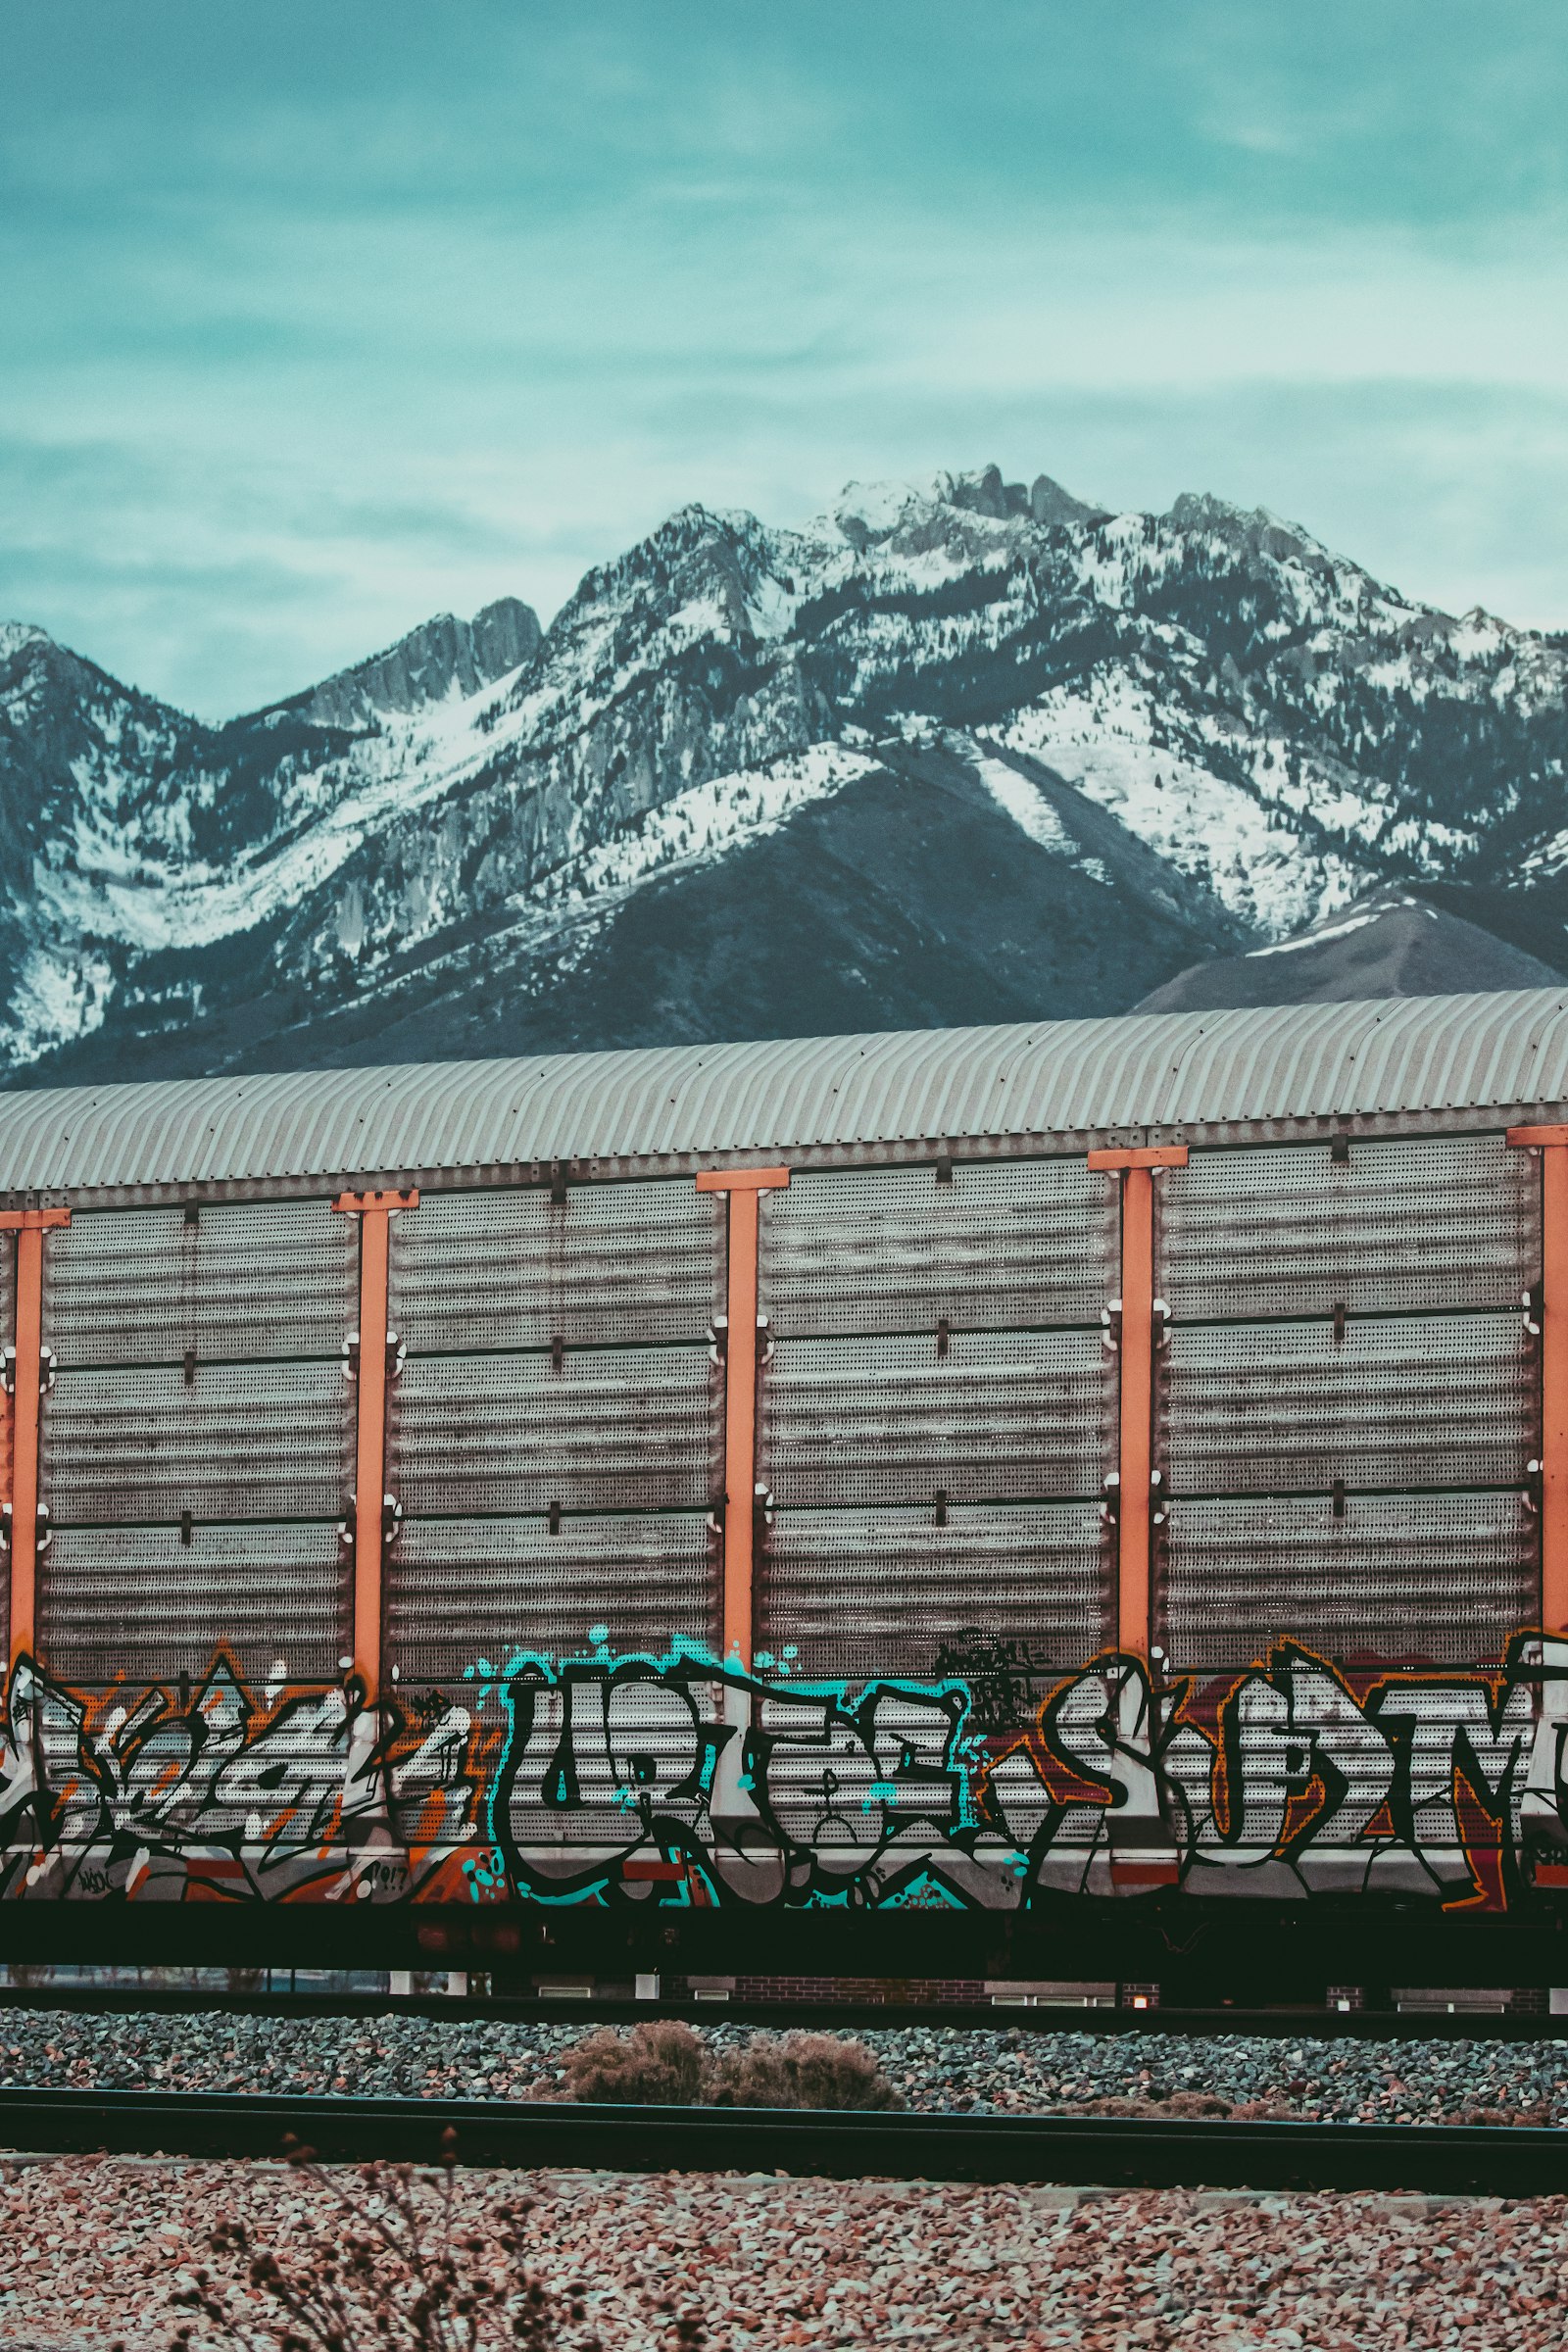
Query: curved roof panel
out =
(1164, 1071)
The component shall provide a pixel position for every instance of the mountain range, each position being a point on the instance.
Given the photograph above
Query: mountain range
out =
(979, 752)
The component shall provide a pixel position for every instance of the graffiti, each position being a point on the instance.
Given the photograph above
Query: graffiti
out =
(672, 1781)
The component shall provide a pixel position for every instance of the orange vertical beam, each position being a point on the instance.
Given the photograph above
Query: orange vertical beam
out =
(1552, 1145)
(29, 1226)
(1135, 1459)
(743, 1185)
(375, 1211)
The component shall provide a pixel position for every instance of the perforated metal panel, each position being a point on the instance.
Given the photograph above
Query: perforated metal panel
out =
(244, 1282)
(613, 1265)
(1002, 1244)
(1002, 1415)
(137, 1604)
(1435, 1222)
(1426, 1401)
(1443, 1577)
(239, 1442)
(994, 1594)
(8, 1329)
(459, 1591)
(628, 1429)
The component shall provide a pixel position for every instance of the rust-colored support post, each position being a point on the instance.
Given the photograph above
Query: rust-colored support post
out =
(1552, 1145)
(376, 1211)
(29, 1226)
(743, 1185)
(1135, 1458)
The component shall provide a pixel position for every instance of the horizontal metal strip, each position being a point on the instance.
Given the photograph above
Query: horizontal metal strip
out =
(1484, 1311)
(695, 1344)
(1355, 1491)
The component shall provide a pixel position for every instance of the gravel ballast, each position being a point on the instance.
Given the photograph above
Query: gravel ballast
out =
(935, 2067)
(96, 2246)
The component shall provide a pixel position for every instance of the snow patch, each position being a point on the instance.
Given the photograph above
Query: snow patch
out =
(1022, 799)
(705, 820)
(1111, 739)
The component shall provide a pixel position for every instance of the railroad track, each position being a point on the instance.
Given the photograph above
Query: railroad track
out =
(1112, 2151)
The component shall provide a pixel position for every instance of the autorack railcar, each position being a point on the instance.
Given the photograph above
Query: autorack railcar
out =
(1086, 1498)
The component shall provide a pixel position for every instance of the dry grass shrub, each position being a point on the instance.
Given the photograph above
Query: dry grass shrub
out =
(664, 2064)
(802, 2070)
(391, 2270)
(659, 2064)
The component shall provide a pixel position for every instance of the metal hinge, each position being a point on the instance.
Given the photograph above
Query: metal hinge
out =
(1535, 1306)
(1110, 1324)
(397, 1354)
(1110, 1497)
(47, 1367)
(719, 1338)
(765, 1334)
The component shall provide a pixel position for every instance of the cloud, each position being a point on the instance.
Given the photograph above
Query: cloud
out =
(321, 321)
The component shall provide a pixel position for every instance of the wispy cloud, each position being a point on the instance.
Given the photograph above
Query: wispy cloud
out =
(313, 321)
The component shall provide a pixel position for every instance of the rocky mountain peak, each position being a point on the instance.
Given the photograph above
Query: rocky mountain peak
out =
(443, 655)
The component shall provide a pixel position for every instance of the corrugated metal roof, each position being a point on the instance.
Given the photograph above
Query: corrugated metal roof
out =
(1153, 1070)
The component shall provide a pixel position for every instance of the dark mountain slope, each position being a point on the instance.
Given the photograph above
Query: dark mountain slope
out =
(1397, 946)
(907, 898)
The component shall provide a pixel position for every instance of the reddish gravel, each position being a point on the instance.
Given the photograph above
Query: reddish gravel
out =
(93, 2246)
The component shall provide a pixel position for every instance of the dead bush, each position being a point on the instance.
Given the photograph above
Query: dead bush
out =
(802, 2070)
(1195, 2102)
(660, 2064)
(390, 2267)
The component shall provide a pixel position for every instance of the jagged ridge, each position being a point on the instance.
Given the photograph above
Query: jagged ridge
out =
(1251, 732)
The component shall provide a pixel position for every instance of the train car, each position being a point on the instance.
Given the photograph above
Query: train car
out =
(1087, 1499)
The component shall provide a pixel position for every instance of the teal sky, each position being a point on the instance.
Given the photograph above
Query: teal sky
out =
(319, 316)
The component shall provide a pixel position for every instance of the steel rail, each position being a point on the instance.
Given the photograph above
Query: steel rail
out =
(1106, 2151)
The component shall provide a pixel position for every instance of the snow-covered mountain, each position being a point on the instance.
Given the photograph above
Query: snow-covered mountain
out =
(965, 753)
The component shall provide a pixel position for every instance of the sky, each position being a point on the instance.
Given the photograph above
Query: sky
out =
(322, 315)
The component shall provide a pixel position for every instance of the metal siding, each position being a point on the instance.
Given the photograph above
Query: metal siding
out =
(1437, 1222)
(999, 1243)
(509, 1584)
(245, 1282)
(611, 1265)
(1445, 1578)
(869, 1592)
(138, 1604)
(1014, 1415)
(8, 1327)
(630, 1429)
(1150, 1070)
(239, 1442)
(1430, 1401)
